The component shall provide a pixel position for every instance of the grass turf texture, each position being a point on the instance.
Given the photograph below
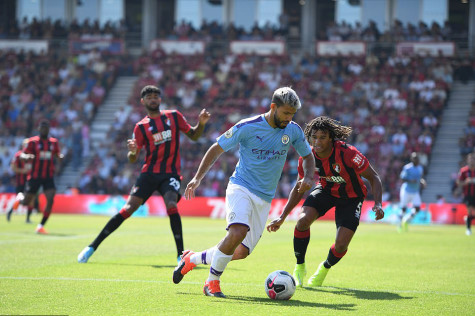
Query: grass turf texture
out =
(429, 270)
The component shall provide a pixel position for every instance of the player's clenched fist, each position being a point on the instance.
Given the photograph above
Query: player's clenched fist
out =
(132, 145)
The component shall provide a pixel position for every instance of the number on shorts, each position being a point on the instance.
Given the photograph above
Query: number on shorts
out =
(175, 184)
(358, 210)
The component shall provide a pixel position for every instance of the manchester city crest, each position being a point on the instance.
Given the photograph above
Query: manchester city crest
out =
(285, 139)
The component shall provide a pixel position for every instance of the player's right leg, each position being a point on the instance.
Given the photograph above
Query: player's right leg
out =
(468, 219)
(132, 204)
(203, 257)
(49, 192)
(18, 198)
(301, 240)
(401, 215)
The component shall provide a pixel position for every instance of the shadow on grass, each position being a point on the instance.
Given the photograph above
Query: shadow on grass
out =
(134, 265)
(155, 266)
(267, 301)
(57, 235)
(360, 294)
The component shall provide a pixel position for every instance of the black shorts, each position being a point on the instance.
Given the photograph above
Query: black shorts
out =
(147, 183)
(20, 188)
(347, 211)
(33, 185)
(469, 200)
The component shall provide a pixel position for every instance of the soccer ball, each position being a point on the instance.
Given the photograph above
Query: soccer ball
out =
(280, 285)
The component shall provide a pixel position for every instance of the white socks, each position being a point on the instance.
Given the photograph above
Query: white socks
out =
(203, 257)
(218, 264)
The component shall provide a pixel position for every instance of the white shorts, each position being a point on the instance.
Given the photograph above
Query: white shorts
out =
(246, 208)
(406, 197)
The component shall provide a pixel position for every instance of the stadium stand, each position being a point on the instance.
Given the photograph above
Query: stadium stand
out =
(391, 118)
(63, 88)
(393, 103)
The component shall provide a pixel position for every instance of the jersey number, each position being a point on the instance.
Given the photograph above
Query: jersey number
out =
(358, 210)
(175, 184)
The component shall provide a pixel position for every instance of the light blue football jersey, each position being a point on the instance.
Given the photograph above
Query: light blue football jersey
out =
(412, 173)
(262, 153)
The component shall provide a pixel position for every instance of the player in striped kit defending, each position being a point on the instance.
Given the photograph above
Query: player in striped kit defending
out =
(339, 167)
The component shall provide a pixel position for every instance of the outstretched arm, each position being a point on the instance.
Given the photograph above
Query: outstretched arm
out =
(195, 132)
(373, 177)
(207, 162)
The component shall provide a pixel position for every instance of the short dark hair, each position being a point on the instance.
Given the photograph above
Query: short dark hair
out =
(286, 96)
(150, 89)
(43, 122)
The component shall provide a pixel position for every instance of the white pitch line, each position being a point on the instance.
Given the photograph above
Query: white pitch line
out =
(231, 284)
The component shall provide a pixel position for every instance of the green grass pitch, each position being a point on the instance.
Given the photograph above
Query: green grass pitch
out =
(429, 270)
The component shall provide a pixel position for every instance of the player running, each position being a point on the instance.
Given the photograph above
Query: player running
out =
(264, 142)
(43, 150)
(409, 193)
(340, 167)
(158, 134)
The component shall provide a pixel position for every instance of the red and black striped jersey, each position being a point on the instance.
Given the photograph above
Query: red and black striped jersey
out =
(340, 173)
(160, 137)
(20, 164)
(45, 150)
(464, 173)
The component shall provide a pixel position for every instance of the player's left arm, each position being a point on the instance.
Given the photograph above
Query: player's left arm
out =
(308, 165)
(207, 162)
(195, 132)
(57, 152)
(423, 183)
(376, 185)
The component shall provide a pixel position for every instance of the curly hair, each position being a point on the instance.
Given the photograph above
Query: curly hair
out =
(324, 123)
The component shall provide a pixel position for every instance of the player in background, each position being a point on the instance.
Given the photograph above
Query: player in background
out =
(43, 150)
(158, 134)
(264, 141)
(21, 167)
(340, 167)
(410, 191)
(466, 181)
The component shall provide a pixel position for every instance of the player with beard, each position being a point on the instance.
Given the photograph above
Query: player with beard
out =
(158, 134)
(340, 167)
(264, 142)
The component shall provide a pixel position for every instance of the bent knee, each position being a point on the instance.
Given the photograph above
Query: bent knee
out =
(241, 252)
(304, 222)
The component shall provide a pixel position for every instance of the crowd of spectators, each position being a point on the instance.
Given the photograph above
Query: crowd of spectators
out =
(59, 29)
(398, 32)
(213, 31)
(393, 103)
(218, 32)
(65, 90)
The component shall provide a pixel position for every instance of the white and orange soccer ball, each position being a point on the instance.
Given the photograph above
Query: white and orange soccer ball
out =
(280, 285)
